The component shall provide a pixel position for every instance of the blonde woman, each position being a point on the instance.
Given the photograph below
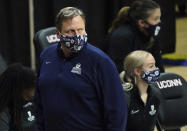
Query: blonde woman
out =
(139, 72)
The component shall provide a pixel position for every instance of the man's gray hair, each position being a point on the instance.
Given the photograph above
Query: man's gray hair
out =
(68, 13)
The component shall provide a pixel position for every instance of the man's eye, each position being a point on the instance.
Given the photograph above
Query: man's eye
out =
(157, 19)
(80, 30)
(70, 31)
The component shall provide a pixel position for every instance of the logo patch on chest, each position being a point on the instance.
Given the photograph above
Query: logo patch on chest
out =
(152, 111)
(30, 116)
(77, 69)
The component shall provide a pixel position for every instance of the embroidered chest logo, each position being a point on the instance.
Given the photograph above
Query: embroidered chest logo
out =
(27, 105)
(152, 111)
(30, 116)
(134, 111)
(77, 69)
(47, 62)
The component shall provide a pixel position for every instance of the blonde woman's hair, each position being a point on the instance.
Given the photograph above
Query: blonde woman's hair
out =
(133, 60)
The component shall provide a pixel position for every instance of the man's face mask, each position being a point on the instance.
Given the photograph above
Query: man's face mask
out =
(73, 43)
(151, 76)
(153, 30)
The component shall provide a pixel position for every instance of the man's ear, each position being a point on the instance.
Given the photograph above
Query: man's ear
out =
(57, 33)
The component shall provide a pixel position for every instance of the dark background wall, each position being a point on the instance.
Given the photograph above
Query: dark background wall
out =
(99, 14)
(14, 23)
(14, 31)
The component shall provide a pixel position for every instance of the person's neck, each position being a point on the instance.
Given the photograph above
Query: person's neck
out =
(142, 87)
(66, 51)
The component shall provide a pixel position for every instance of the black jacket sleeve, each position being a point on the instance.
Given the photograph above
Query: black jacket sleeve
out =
(4, 120)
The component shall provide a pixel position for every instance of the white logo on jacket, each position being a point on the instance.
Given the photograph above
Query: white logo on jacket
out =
(134, 111)
(30, 116)
(28, 104)
(47, 62)
(152, 111)
(77, 69)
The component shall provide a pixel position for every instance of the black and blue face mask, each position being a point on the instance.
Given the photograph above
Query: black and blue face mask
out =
(74, 43)
(153, 30)
(151, 76)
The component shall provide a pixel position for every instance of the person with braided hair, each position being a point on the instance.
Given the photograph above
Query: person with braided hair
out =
(17, 87)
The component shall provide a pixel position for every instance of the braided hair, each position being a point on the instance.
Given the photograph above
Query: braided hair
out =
(12, 82)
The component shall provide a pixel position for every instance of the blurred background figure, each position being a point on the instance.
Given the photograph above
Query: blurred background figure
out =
(135, 28)
(17, 87)
(181, 9)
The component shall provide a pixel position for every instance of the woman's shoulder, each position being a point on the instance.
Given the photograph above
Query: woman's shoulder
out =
(125, 30)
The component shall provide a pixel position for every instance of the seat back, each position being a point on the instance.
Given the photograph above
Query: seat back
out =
(173, 108)
(3, 65)
(42, 39)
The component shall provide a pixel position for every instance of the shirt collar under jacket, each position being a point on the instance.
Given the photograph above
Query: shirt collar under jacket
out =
(136, 95)
(61, 53)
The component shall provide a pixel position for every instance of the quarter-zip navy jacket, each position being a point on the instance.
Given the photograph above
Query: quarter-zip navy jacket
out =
(80, 93)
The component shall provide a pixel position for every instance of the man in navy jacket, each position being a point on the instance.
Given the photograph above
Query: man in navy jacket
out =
(79, 88)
